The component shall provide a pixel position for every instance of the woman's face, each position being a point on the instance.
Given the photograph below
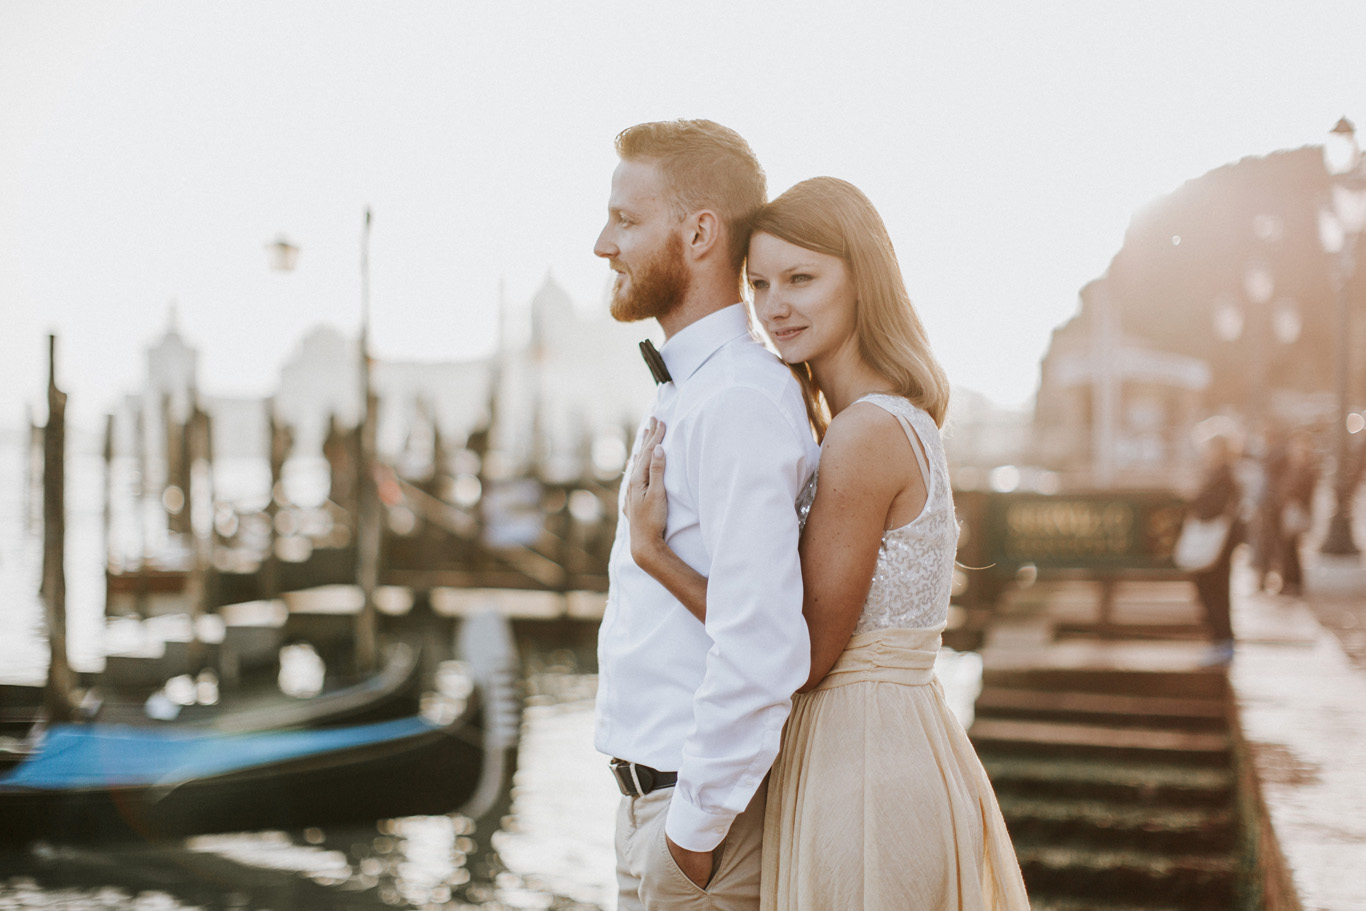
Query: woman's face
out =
(804, 299)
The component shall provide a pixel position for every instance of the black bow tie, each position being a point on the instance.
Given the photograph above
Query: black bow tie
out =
(655, 362)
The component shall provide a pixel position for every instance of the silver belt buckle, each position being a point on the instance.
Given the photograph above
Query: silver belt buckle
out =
(628, 778)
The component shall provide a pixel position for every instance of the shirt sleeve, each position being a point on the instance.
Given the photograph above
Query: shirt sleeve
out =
(747, 463)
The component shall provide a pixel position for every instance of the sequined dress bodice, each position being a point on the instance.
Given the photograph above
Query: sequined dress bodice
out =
(913, 578)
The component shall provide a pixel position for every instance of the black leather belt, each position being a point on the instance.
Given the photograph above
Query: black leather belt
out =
(636, 780)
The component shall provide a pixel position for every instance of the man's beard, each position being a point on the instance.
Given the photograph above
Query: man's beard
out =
(656, 288)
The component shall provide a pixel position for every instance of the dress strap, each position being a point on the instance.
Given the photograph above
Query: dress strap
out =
(895, 405)
(918, 447)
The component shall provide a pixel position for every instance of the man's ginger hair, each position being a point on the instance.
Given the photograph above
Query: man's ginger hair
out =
(706, 166)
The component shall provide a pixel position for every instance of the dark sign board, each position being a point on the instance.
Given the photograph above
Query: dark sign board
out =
(1101, 531)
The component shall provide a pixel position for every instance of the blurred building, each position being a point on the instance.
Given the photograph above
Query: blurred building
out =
(571, 381)
(1221, 301)
(981, 436)
(172, 369)
(1111, 402)
(321, 381)
(148, 418)
(559, 382)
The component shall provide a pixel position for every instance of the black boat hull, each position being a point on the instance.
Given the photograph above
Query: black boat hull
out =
(429, 773)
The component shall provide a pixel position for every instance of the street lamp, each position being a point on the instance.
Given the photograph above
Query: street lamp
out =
(1339, 230)
(282, 254)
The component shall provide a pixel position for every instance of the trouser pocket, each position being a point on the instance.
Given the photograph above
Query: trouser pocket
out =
(665, 886)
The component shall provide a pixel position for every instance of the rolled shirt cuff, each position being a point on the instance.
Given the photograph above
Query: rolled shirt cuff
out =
(694, 829)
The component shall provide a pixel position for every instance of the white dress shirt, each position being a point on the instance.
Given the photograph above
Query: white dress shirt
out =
(710, 702)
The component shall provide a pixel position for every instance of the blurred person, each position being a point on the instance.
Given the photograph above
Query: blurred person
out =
(1265, 531)
(692, 714)
(1219, 494)
(877, 799)
(1298, 478)
(1356, 469)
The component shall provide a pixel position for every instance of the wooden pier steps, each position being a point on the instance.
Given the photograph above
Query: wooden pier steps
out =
(1115, 782)
(1100, 879)
(1056, 738)
(1185, 713)
(1069, 904)
(1081, 822)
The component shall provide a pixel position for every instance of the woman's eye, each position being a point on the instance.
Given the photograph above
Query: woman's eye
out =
(800, 277)
(758, 284)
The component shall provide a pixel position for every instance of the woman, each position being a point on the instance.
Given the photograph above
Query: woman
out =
(1298, 480)
(877, 799)
(1219, 494)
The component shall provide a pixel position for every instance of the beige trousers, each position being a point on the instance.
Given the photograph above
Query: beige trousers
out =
(649, 878)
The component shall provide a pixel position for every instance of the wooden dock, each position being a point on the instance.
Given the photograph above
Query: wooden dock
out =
(1110, 749)
(245, 638)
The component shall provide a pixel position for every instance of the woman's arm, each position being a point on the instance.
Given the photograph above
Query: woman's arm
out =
(647, 511)
(859, 487)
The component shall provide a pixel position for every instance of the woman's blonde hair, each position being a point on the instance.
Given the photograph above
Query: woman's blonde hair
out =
(832, 216)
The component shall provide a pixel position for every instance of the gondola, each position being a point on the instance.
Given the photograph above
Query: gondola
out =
(100, 782)
(393, 692)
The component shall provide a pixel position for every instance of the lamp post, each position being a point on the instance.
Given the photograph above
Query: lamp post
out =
(1340, 228)
(283, 255)
(1105, 386)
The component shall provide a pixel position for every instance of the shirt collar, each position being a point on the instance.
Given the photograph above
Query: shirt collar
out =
(689, 348)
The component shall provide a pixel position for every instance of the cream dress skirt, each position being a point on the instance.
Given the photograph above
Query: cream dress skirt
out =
(878, 800)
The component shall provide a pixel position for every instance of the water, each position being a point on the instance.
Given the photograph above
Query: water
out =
(553, 849)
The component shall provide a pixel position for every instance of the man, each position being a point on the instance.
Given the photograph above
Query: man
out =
(692, 713)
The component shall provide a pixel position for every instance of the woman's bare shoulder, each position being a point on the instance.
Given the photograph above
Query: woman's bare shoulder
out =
(863, 423)
(863, 437)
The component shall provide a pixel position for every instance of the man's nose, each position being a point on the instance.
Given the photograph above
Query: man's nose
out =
(604, 245)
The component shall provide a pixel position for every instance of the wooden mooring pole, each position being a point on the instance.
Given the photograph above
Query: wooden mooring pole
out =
(199, 508)
(368, 517)
(281, 441)
(107, 522)
(60, 683)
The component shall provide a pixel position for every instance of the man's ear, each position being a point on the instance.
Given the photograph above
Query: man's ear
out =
(702, 232)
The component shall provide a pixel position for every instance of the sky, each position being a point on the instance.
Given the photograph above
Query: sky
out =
(150, 150)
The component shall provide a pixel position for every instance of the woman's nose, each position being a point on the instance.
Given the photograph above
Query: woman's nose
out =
(772, 305)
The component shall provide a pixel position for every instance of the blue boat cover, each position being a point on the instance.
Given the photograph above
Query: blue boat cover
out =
(85, 756)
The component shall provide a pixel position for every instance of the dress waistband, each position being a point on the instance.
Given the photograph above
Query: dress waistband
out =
(904, 656)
